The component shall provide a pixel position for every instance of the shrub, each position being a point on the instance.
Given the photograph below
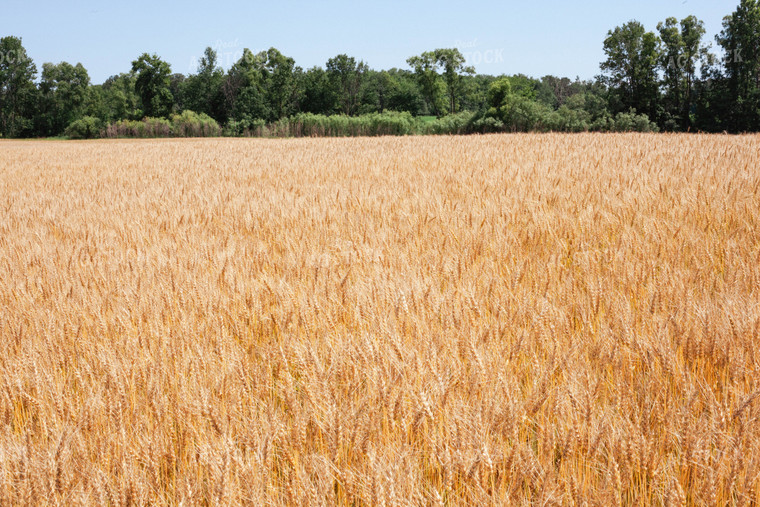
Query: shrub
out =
(459, 123)
(87, 127)
(372, 124)
(245, 127)
(487, 125)
(191, 124)
(317, 125)
(187, 124)
(632, 122)
(566, 119)
(145, 128)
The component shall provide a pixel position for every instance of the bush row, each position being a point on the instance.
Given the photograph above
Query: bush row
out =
(187, 124)
(393, 123)
(317, 125)
(529, 117)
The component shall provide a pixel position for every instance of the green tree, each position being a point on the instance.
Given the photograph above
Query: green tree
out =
(262, 86)
(452, 64)
(373, 96)
(17, 90)
(740, 40)
(425, 67)
(631, 68)
(243, 89)
(63, 94)
(153, 85)
(403, 92)
(281, 77)
(682, 49)
(694, 51)
(512, 102)
(203, 91)
(116, 99)
(177, 87)
(318, 97)
(670, 62)
(475, 92)
(346, 76)
(555, 91)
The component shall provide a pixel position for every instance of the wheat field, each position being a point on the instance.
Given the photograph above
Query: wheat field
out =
(487, 320)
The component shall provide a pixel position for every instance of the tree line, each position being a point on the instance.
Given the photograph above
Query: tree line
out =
(666, 79)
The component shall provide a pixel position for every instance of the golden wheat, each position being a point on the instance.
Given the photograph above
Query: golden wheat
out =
(540, 319)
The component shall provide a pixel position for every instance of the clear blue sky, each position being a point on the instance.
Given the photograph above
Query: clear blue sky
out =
(532, 37)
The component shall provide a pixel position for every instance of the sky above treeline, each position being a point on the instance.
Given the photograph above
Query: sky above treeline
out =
(508, 37)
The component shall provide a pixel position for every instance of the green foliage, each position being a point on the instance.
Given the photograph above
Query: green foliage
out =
(487, 124)
(245, 127)
(682, 49)
(64, 89)
(203, 91)
(452, 64)
(393, 90)
(262, 86)
(317, 93)
(474, 95)
(569, 119)
(18, 94)
(87, 127)
(187, 124)
(632, 122)
(740, 40)
(281, 83)
(631, 68)
(425, 69)
(153, 85)
(459, 123)
(191, 124)
(515, 106)
(116, 99)
(440, 93)
(403, 93)
(178, 92)
(346, 76)
(145, 128)
(374, 124)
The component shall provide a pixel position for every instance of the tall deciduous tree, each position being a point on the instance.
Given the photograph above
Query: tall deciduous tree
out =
(631, 68)
(64, 89)
(403, 92)
(452, 64)
(243, 88)
(117, 99)
(740, 40)
(442, 92)
(425, 67)
(682, 49)
(281, 76)
(346, 76)
(262, 86)
(318, 97)
(17, 90)
(153, 85)
(203, 91)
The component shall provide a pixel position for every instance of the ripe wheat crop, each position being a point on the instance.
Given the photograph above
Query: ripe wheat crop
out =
(490, 320)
